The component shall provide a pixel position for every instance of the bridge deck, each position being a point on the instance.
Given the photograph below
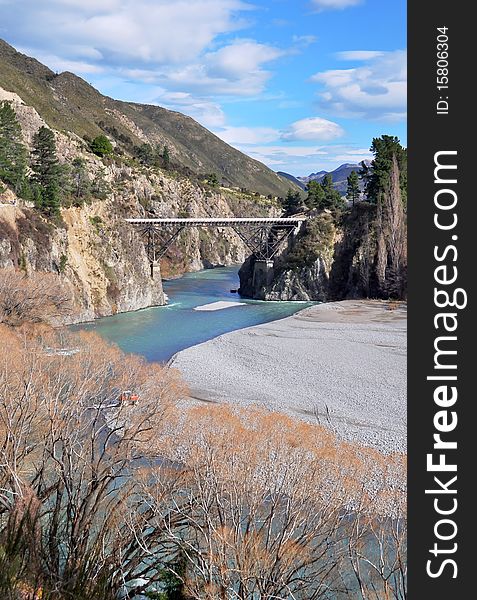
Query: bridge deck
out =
(220, 222)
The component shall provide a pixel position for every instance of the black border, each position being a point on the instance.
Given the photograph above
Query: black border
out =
(429, 133)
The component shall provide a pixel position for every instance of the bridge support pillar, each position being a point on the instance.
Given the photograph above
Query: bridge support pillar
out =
(155, 268)
(262, 274)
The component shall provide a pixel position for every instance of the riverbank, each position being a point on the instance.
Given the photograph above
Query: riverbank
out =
(342, 364)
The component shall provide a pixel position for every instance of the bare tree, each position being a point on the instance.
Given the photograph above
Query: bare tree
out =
(71, 461)
(264, 506)
(100, 496)
(37, 298)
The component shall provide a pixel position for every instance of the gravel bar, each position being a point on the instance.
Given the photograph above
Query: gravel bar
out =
(342, 364)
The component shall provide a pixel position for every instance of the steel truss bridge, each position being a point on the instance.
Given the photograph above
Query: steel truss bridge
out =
(263, 236)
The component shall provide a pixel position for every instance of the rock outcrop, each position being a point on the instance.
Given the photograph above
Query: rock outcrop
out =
(301, 271)
(103, 264)
(362, 255)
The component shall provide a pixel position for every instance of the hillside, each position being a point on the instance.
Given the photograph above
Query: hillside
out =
(68, 103)
(293, 179)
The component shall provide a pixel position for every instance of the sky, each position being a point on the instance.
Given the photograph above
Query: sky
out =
(301, 85)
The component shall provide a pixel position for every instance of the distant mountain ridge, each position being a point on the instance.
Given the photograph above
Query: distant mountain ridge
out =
(296, 180)
(68, 103)
(339, 175)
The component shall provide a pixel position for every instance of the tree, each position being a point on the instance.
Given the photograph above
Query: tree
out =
(146, 155)
(377, 175)
(72, 524)
(353, 191)
(322, 195)
(13, 153)
(46, 172)
(81, 184)
(316, 195)
(332, 198)
(212, 179)
(101, 146)
(265, 504)
(293, 203)
(38, 298)
(100, 187)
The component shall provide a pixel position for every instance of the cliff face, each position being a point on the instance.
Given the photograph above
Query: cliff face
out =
(301, 271)
(98, 256)
(363, 255)
(103, 265)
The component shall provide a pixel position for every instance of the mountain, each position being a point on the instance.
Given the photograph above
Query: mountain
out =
(339, 176)
(313, 177)
(68, 103)
(293, 179)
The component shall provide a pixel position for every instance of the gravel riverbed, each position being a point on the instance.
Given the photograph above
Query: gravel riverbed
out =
(342, 364)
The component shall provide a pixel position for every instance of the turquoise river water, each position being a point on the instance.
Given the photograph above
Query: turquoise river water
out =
(158, 333)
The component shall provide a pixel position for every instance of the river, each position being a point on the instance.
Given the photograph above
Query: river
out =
(158, 333)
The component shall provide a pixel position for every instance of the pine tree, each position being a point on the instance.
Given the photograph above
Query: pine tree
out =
(13, 154)
(352, 191)
(101, 146)
(80, 182)
(293, 203)
(100, 188)
(376, 177)
(46, 172)
(332, 198)
(316, 195)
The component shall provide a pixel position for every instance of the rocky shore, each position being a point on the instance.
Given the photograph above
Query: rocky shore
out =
(341, 364)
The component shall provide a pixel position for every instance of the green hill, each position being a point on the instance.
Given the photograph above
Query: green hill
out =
(68, 103)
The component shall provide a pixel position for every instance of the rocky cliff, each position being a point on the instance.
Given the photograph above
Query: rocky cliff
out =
(360, 255)
(100, 258)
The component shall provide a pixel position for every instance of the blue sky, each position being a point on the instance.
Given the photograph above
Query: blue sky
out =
(302, 85)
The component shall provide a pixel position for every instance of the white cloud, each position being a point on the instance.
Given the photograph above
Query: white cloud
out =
(146, 31)
(359, 54)
(248, 135)
(236, 69)
(334, 4)
(304, 40)
(312, 129)
(204, 110)
(61, 64)
(243, 56)
(375, 90)
(355, 155)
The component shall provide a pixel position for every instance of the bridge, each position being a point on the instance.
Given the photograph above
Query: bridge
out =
(263, 236)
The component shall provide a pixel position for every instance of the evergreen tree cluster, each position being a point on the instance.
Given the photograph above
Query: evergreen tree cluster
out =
(352, 191)
(322, 195)
(39, 176)
(376, 177)
(13, 154)
(154, 156)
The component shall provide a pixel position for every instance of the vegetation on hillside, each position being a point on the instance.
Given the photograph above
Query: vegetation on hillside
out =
(103, 496)
(352, 191)
(13, 154)
(39, 176)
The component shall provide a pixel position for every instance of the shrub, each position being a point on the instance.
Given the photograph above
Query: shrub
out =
(101, 146)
